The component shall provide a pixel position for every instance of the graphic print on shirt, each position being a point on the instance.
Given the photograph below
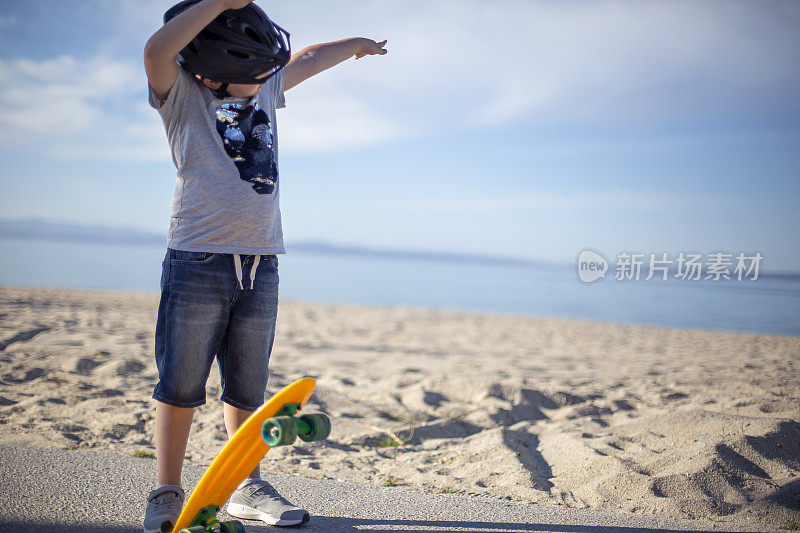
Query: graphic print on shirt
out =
(246, 133)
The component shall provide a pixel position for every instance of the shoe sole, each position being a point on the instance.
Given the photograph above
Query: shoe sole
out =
(248, 513)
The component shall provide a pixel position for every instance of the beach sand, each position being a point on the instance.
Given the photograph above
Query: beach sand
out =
(688, 424)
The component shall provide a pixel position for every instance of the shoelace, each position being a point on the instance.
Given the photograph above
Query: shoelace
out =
(162, 500)
(267, 490)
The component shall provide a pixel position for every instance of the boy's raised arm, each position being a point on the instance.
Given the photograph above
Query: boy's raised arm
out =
(313, 59)
(164, 45)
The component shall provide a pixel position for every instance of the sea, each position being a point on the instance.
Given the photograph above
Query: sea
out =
(770, 304)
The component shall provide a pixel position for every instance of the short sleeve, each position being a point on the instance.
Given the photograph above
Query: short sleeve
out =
(176, 94)
(280, 100)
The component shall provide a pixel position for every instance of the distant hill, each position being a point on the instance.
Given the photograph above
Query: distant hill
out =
(61, 231)
(325, 248)
(57, 231)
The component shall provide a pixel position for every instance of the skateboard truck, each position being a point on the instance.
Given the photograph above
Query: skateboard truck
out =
(283, 428)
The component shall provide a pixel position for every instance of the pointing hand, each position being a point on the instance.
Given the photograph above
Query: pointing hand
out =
(371, 48)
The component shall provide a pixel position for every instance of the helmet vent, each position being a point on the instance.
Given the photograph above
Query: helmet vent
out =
(238, 54)
(250, 32)
(212, 36)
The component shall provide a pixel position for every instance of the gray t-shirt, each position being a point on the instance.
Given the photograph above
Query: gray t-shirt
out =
(226, 153)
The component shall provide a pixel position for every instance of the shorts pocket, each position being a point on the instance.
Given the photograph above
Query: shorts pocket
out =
(183, 256)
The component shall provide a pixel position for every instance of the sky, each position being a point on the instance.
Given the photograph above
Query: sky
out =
(511, 128)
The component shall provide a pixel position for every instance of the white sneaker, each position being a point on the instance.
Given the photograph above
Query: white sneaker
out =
(255, 499)
(163, 509)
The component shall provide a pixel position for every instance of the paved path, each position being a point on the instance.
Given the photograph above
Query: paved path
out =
(64, 491)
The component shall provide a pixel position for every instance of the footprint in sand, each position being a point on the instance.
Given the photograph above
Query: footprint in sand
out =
(623, 405)
(85, 366)
(434, 399)
(676, 396)
(120, 431)
(29, 375)
(591, 411)
(418, 399)
(565, 398)
(22, 336)
(130, 367)
(70, 431)
(108, 393)
(527, 404)
(56, 401)
(443, 429)
(5, 402)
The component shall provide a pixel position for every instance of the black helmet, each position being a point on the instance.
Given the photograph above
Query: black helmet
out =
(235, 47)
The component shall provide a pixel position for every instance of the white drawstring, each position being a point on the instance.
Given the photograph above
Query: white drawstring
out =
(237, 264)
(256, 260)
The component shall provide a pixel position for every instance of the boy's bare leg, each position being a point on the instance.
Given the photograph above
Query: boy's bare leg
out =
(233, 419)
(172, 434)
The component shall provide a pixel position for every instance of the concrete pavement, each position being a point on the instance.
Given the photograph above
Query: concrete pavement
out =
(66, 491)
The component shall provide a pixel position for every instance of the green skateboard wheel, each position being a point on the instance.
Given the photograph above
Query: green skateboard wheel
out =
(234, 526)
(319, 427)
(279, 431)
(194, 529)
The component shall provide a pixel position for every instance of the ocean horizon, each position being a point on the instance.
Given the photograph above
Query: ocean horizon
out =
(769, 305)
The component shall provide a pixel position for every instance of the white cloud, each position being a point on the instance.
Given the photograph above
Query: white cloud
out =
(80, 109)
(451, 66)
(332, 122)
(558, 202)
(476, 63)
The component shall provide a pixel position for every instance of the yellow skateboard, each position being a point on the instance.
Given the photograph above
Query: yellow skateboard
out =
(273, 424)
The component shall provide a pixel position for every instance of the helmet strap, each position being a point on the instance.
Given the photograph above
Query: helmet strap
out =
(222, 91)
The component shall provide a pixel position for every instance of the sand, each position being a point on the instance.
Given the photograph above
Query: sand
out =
(686, 424)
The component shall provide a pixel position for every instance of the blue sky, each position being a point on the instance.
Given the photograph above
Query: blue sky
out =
(513, 128)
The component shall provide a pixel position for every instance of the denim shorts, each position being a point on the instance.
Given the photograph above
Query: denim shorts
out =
(205, 313)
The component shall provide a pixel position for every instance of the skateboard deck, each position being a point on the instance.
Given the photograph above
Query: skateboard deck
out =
(243, 452)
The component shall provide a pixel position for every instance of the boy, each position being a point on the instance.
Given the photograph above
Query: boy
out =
(218, 104)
